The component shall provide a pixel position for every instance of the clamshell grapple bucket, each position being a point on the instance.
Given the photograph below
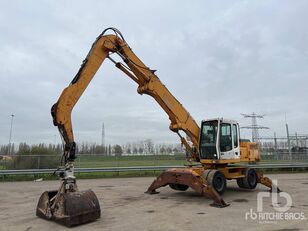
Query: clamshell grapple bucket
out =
(69, 208)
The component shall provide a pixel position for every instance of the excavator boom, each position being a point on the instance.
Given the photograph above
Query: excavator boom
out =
(148, 83)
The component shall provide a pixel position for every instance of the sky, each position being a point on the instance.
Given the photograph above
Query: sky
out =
(218, 58)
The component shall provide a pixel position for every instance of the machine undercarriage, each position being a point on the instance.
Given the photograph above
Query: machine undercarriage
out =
(209, 182)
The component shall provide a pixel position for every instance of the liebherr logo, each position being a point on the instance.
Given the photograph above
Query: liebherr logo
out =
(281, 212)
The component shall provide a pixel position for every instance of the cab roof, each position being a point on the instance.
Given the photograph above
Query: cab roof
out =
(223, 120)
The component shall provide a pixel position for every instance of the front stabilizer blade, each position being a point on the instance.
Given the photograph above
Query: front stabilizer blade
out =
(189, 177)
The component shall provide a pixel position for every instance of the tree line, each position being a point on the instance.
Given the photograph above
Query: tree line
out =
(134, 148)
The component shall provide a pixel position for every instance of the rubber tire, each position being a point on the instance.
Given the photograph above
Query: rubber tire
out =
(240, 183)
(179, 187)
(216, 179)
(250, 180)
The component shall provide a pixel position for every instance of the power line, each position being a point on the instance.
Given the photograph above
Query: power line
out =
(254, 126)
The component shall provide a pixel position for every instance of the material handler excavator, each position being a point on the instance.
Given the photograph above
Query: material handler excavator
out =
(214, 149)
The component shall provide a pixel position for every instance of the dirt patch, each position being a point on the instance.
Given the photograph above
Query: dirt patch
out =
(131, 198)
(200, 213)
(150, 211)
(287, 229)
(106, 186)
(240, 200)
(164, 198)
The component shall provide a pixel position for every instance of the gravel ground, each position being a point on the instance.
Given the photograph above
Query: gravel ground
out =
(126, 207)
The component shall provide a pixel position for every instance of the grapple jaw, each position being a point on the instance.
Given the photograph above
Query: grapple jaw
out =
(69, 208)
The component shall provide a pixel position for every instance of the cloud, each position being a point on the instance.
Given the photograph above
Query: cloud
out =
(218, 59)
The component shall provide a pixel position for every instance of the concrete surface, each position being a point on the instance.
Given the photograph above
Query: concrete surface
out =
(126, 207)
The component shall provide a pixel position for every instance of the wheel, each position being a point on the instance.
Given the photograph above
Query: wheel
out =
(250, 180)
(179, 187)
(240, 183)
(216, 179)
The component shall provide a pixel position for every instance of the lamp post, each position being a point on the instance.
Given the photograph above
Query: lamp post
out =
(10, 137)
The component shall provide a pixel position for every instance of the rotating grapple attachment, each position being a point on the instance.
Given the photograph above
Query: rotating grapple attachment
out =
(68, 206)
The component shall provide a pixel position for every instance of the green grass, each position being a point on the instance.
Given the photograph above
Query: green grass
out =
(97, 161)
(98, 175)
(95, 175)
(88, 161)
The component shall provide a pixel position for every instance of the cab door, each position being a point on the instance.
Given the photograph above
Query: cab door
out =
(225, 141)
(236, 141)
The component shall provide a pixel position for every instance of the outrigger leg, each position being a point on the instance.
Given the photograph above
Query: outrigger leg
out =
(267, 182)
(186, 177)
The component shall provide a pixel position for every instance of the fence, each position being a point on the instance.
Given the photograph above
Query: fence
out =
(285, 156)
(90, 161)
(100, 161)
(302, 166)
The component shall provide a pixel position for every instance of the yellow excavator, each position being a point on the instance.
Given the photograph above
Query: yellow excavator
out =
(215, 150)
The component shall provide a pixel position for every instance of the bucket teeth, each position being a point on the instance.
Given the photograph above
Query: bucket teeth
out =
(69, 208)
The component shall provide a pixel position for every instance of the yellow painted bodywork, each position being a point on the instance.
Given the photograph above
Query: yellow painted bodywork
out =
(249, 153)
(229, 172)
(148, 83)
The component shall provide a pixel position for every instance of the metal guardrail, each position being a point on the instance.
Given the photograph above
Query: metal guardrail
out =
(141, 168)
(276, 166)
(87, 170)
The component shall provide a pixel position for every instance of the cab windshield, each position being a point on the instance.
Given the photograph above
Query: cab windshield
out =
(208, 140)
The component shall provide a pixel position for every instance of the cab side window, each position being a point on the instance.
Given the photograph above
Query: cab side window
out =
(235, 135)
(225, 138)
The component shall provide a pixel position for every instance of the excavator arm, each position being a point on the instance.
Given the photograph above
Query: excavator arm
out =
(148, 83)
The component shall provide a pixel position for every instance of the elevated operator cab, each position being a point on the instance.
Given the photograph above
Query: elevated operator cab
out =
(219, 139)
